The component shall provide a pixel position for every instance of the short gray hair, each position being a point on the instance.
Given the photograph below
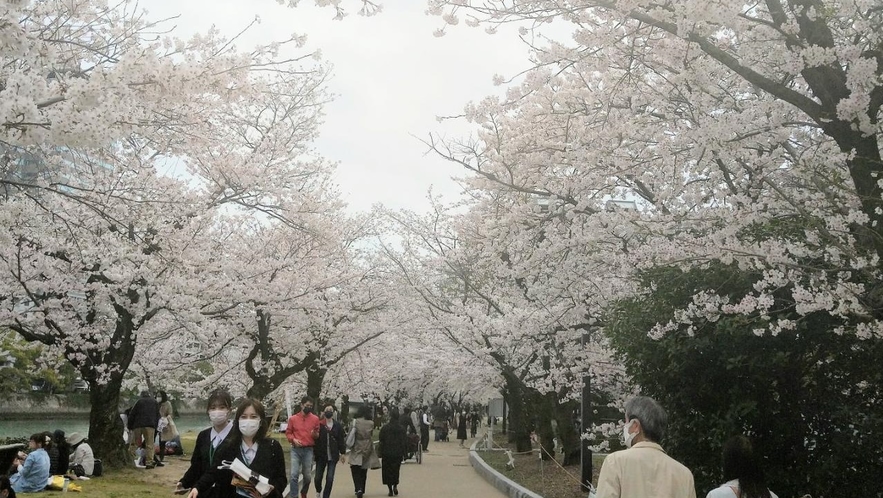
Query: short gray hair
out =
(653, 418)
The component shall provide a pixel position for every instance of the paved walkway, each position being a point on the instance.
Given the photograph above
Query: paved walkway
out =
(444, 473)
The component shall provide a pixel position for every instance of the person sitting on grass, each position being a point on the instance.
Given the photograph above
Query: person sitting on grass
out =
(32, 470)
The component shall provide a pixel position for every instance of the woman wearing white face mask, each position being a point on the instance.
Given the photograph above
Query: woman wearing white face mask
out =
(249, 443)
(219, 407)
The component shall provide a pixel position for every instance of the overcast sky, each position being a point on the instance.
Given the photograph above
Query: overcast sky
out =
(392, 77)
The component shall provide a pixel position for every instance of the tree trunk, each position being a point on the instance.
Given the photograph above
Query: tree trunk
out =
(315, 378)
(519, 414)
(105, 425)
(568, 436)
(544, 428)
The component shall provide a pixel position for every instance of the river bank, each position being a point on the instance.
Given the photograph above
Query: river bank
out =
(42, 405)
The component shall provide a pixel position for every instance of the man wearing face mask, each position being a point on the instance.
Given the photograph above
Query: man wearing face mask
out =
(330, 448)
(219, 406)
(644, 470)
(302, 431)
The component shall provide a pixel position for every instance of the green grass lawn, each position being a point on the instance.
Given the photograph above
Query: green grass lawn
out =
(547, 478)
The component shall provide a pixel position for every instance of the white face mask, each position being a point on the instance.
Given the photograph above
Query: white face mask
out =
(249, 426)
(218, 417)
(628, 436)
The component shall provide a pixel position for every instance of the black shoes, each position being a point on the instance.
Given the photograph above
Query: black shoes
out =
(395, 490)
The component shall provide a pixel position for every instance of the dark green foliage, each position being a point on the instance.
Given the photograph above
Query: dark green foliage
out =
(808, 397)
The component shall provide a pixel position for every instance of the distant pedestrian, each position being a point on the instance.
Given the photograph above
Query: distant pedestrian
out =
(330, 448)
(362, 451)
(393, 448)
(461, 428)
(424, 427)
(143, 419)
(644, 470)
(743, 472)
(473, 424)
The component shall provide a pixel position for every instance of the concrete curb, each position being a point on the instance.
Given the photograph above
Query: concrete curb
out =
(507, 486)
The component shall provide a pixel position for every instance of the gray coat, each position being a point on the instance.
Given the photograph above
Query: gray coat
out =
(363, 448)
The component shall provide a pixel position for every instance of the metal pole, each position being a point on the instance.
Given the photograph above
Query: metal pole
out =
(585, 454)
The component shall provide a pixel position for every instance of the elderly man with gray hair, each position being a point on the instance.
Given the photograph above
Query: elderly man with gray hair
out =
(644, 470)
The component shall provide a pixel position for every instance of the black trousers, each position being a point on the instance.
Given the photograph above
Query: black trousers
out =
(360, 475)
(424, 436)
(391, 470)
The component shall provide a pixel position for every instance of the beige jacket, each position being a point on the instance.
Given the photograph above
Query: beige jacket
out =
(644, 471)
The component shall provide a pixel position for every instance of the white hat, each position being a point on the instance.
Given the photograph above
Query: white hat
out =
(75, 438)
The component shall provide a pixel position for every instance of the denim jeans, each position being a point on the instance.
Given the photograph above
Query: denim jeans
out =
(301, 463)
(321, 465)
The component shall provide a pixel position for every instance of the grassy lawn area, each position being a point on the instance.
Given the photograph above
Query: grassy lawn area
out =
(547, 479)
(132, 482)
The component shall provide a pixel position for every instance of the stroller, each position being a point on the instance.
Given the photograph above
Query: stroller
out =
(441, 430)
(414, 448)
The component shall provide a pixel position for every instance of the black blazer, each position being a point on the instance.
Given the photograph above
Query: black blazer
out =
(337, 439)
(268, 462)
(200, 460)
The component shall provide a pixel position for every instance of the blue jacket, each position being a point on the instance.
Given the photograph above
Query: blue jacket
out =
(34, 473)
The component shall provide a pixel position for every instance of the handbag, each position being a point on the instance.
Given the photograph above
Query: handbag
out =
(351, 438)
(373, 461)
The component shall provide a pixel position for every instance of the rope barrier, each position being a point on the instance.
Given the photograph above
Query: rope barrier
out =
(541, 449)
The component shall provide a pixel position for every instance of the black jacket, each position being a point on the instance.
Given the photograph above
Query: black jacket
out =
(145, 413)
(335, 438)
(268, 462)
(200, 460)
(393, 441)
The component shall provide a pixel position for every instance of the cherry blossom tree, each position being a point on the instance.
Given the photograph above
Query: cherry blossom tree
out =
(121, 147)
(708, 112)
(475, 293)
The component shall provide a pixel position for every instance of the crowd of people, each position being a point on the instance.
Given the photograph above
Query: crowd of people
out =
(236, 456)
(49, 454)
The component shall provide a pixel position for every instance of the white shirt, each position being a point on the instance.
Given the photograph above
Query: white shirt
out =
(219, 437)
(248, 452)
(725, 490)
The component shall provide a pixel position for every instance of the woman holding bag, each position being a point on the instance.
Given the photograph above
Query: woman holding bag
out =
(248, 442)
(362, 454)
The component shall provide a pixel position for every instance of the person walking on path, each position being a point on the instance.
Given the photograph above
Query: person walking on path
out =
(143, 419)
(743, 472)
(424, 427)
(248, 442)
(219, 408)
(644, 470)
(461, 428)
(392, 450)
(330, 448)
(302, 431)
(362, 449)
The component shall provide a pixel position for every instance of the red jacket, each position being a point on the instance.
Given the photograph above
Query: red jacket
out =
(304, 428)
